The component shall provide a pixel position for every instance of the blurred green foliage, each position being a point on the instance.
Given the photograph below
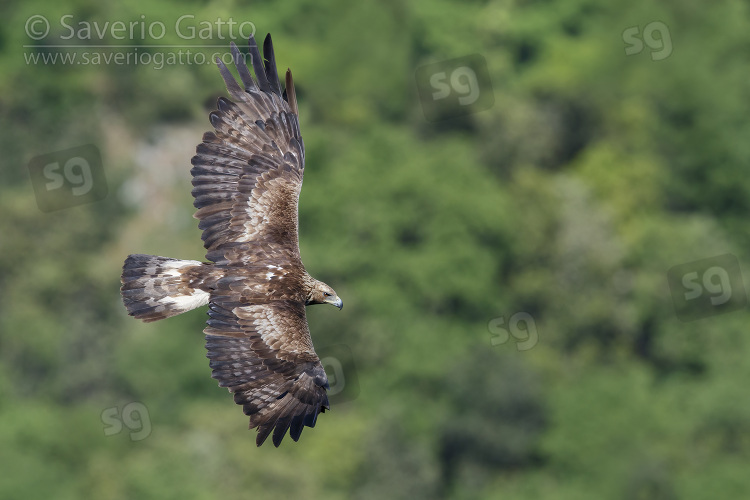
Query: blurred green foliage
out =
(592, 175)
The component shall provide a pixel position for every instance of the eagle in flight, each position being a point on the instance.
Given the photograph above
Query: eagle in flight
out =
(247, 176)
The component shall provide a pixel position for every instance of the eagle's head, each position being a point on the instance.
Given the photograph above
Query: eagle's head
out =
(324, 294)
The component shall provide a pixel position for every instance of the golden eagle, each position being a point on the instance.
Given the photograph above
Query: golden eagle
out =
(247, 176)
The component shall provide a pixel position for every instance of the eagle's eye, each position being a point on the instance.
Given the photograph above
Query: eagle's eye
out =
(326, 294)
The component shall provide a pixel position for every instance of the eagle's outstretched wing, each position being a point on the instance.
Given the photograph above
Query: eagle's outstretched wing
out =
(247, 174)
(247, 177)
(278, 380)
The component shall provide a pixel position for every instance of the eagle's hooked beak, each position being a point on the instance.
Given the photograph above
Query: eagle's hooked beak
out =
(336, 301)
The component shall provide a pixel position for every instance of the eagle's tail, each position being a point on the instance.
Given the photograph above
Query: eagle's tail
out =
(155, 288)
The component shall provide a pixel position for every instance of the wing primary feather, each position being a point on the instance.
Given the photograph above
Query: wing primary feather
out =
(311, 418)
(260, 71)
(282, 425)
(291, 96)
(232, 86)
(242, 69)
(271, 73)
(298, 423)
(263, 432)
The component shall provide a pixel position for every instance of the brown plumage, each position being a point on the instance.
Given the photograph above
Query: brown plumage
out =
(247, 176)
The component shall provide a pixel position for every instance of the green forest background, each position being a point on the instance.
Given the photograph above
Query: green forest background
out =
(508, 313)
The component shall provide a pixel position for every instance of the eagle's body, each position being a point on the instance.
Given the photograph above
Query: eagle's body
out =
(247, 176)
